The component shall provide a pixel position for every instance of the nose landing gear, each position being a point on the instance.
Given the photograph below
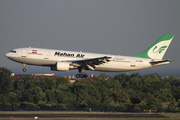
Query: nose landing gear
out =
(24, 69)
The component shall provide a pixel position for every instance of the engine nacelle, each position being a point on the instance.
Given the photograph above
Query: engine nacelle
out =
(61, 66)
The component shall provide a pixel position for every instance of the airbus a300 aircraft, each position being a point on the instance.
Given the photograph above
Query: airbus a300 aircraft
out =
(61, 60)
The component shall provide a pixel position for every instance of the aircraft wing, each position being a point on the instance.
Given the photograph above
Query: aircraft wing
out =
(90, 63)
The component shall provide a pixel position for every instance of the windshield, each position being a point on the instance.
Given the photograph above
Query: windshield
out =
(13, 51)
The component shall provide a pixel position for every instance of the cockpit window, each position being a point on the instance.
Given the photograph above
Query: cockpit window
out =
(13, 51)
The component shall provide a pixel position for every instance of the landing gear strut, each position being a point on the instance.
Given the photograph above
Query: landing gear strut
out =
(24, 69)
(81, 75)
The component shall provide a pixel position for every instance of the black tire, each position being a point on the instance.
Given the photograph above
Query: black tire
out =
(85, 76)
(24, 70)
(81, 75)
(77, 75)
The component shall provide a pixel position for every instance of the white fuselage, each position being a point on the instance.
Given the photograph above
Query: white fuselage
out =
(48, 57)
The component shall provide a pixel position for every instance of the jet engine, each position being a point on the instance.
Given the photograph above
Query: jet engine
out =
(61, 66)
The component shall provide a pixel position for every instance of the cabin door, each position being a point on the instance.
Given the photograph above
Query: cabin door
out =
(46, 55)
(23, 54)
(133, 63)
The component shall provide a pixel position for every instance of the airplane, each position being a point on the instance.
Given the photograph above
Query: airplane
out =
(62, 60)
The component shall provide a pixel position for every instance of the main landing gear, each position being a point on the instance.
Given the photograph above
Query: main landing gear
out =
(81, 75)
(24, 69)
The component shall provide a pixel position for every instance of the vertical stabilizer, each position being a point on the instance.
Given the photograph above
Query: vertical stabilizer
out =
(158, 49)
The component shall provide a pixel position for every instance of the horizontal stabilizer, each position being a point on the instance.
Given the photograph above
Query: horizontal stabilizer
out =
(160, 62)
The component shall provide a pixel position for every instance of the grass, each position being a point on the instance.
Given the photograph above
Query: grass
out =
(66, 112)
(171, 116)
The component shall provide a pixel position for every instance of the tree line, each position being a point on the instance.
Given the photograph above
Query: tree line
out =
(121, 91)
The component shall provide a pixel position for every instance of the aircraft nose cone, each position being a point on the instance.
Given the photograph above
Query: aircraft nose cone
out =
(7, 55)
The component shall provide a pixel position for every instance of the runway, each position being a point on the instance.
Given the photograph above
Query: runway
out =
(84, 115)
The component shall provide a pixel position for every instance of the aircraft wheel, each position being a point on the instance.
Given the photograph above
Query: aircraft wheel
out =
(24, 70)
(85, 76)
(77, 75)
(81, 75)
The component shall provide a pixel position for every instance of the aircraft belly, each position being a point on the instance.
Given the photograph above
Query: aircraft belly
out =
(33, 61)
(120, 67)
(18, 59)
(113, 67)
(42, 62)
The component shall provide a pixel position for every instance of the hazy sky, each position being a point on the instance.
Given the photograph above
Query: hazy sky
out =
(125, 27)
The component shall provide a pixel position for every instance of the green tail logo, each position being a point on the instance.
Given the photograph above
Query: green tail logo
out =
(160, 49)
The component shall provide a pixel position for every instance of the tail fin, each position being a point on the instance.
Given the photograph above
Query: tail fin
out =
(158, 49)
